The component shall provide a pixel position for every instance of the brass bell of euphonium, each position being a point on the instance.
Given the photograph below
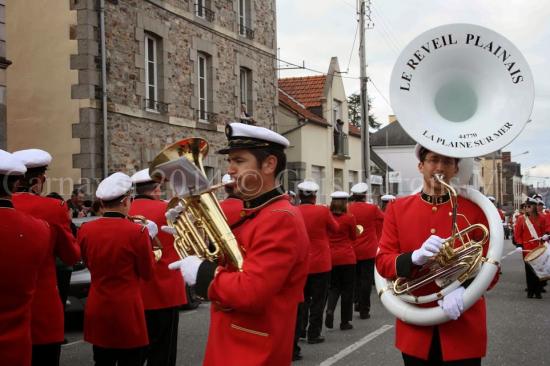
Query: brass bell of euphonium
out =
(201, 228)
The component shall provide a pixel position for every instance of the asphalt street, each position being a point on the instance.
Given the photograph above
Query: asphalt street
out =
(518, 328)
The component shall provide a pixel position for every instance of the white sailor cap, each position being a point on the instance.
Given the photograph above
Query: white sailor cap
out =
(540, 201)
(387, 197)
(33, 158)
(114, 186)
(339, 195)
(531, 201)
(142, 177)
(226, 179)
(10, 165)
(491, 198)
(243, 136)
(360, 188)
(308, 186)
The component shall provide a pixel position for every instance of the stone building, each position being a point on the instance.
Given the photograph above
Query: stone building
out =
(4, 63)
(173, 69)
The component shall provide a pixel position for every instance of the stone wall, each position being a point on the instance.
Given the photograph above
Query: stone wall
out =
(135, 134)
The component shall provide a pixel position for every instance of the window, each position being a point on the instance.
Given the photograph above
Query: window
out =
(203, 10)
(246, 89)
(336, 110)
(338, 179)
(353, 178)
(203, 86)
(200, 5)
(244, 19)
(151, 74)
(318, 175)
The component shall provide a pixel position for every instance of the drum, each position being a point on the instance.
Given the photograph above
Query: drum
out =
(539, 260)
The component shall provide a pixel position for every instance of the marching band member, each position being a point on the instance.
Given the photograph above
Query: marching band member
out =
(385, 200)
(500, 211)
(413, 230)
(118, 253)
(319, 223)
(253, 312)
(528, 229)
(164, 293)
(26, 243)
(365, 246)
(342, 275)
(47, 310)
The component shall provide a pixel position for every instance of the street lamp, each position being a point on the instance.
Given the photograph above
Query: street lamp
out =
(523, 153)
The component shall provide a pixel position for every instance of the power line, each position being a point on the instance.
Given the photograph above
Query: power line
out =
(353, 45)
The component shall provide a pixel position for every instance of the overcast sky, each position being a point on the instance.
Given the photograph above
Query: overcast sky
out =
(312, 31)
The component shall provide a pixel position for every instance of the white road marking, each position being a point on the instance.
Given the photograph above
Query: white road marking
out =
(510, 253)
(353, 347)
(71, 343)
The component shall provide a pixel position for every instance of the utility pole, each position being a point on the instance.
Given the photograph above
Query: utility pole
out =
(364, 12)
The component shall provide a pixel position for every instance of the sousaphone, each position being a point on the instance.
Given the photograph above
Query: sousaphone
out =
(463, 91)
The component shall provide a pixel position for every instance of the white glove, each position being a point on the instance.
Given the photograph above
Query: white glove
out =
(173, 213)
(429, 248)
(189, 267)
(153, 229)
(168, 230)
(545, 237)
(453, 303)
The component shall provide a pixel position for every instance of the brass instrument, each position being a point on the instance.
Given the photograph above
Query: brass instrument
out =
(451, 263)
(201, 228)
(157, 245)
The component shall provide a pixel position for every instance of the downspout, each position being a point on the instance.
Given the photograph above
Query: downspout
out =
(104, 87)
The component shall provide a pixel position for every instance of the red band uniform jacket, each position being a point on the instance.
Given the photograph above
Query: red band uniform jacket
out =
(523, 236)
(342, 241)
(371, 218)
(47, 309)
(232, 209)
(25, 245)
(253, 312)
(319, 223)
(408, 222)
(165, 289)
(119, 255)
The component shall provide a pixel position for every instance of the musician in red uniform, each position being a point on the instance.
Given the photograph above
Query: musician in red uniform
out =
(385, 200)
(413, 230)
(529, 233)
(118, 253)
(47, 309)
(319, 223)
(342, 275)
(365, 246)
(26, 243)
(164, 293)
(253, 312)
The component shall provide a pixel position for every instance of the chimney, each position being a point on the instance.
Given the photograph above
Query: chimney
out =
(392, 118)
(506, 156)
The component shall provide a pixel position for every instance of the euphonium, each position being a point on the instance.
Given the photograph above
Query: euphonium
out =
(157, 245)
(201, 228)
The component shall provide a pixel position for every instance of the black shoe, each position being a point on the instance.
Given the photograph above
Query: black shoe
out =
(303, 335)
(530, 295)
(315, 340)
(543, 290)
(365, 315)
(346, 326)
(329, 320)
(538, 296)
(297, 357)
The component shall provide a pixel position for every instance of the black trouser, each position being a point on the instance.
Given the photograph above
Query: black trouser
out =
(315, 295)
(342, 279)
(46, 354)
(117, 356)
(534, 286)
(298, 329)
(436, 359)
(363, 286)
(63, 283)
(162, 328)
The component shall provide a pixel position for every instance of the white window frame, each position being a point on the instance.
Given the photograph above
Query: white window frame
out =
(202, 86)
(154, 61)
(242, 17)
(245, 80)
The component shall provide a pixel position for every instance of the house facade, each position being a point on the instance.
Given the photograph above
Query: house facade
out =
(169, 69)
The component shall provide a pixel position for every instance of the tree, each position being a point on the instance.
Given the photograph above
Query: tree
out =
(354, 109)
